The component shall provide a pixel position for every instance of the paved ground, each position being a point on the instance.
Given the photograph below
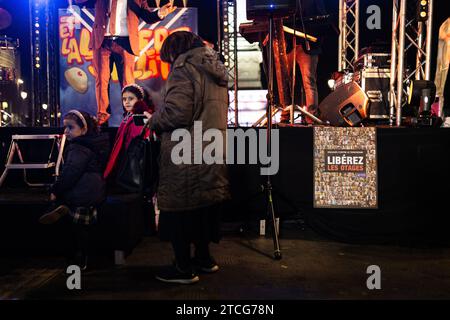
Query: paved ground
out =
(311, 268)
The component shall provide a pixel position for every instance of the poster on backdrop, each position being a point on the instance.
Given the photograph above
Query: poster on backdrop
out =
(77, 82)
(345, 168)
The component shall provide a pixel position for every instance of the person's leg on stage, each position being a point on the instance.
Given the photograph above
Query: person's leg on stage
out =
(286, 113)
(308, 68)
(124, 60)
(128, 68)
(100, 62)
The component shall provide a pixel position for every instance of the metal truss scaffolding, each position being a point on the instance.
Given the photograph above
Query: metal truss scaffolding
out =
(228, 48)
(349, 33)
(410, 36)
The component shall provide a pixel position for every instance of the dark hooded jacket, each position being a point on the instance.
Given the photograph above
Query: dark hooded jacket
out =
(196, 90)
(81, 182)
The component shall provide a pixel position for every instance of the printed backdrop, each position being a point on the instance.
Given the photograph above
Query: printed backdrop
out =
(77, 83)
(345, 168)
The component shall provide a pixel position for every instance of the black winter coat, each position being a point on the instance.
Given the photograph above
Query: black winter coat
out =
(81, 182)
(196, 90)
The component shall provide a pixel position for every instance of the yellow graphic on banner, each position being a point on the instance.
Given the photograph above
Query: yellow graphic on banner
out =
(148, 66)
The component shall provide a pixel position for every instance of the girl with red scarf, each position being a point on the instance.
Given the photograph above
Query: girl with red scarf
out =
(135, 100)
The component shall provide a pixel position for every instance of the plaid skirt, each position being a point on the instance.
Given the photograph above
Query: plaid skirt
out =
(83, 215)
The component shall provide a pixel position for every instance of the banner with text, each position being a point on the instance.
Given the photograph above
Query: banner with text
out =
(77, 82)
(345, 168)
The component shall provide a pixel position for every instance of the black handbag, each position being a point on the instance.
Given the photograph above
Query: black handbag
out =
(152, 165)
(138, 170)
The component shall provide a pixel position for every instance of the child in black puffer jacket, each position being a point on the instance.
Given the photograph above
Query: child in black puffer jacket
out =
(80, 188)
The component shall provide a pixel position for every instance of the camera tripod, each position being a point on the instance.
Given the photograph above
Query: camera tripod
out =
(264, 119)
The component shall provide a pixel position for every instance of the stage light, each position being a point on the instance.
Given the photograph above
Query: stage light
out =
(36, 25)
(423, 10)
(4, 105)
(19, 81)
(44, 106)
(416, 88)
(37, 65)
(421, 94)
(5, 117)
(331, 83)
(23, 95)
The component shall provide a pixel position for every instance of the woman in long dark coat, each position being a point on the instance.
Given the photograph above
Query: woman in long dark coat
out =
(190, 193)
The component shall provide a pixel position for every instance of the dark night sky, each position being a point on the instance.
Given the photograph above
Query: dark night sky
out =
(208, 29)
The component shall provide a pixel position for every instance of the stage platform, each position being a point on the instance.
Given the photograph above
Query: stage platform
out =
(413, 170)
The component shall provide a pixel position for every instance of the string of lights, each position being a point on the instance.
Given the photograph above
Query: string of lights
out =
(229, 51)
(44, 106)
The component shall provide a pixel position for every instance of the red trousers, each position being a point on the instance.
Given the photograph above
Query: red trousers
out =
(117, 51)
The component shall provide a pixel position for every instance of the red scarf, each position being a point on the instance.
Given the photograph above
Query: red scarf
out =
(126, 132)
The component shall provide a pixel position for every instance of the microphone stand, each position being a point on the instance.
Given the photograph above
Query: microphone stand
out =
(268, 186)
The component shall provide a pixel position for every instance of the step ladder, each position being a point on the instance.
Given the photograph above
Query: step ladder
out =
(59, 141)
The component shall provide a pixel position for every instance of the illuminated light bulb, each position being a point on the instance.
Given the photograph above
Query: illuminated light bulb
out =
(331, 83)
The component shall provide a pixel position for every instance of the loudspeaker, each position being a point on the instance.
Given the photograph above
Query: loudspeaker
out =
(346, 106)
(265, 8)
